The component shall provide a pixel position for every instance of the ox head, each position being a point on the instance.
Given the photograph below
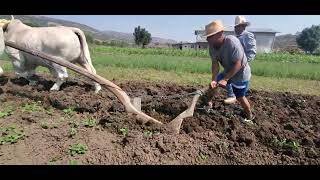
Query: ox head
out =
(3, 24)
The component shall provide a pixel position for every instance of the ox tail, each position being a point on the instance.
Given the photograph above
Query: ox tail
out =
(84, 47)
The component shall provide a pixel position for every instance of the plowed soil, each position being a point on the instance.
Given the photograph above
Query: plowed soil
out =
(286, 129)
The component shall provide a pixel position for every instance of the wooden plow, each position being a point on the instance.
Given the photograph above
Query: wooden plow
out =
(172, 127)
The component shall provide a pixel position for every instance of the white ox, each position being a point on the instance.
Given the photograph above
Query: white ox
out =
(1, 47)
(67, 43)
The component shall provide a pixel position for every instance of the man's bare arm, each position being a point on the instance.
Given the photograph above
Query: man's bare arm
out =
(214, 70)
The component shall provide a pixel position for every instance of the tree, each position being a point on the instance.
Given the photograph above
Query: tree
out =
(141, 36)
(309, 39)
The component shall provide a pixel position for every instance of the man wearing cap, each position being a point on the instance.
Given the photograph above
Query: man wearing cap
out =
(249, 45)
(228, 51)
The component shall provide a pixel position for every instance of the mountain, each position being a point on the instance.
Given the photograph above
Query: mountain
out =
(96, 34)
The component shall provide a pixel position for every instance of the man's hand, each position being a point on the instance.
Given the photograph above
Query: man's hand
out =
(222, 83)
(213, 84)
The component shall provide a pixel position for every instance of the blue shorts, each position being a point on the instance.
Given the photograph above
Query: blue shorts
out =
(239, 88)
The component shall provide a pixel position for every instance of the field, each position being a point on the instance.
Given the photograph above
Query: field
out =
(76, 126)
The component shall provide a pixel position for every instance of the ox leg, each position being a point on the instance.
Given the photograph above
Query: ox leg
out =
(28, 75)
(61, 74)
(96, 85)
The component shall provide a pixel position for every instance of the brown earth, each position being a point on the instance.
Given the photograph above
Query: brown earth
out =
(217, 137)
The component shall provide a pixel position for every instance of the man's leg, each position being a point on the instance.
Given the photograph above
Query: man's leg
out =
(240, 90)
(246, 106)
(231, 96)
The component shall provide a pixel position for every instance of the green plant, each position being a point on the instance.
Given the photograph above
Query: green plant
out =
(44, 125)
(78, 149)
(49, 111)
(55, 158)
(147, 133)
(72, 132)
(124, 131)
(74, 124)
(6, 112)
(291, 145)
(32, 107)
(203, 156)
(73, 162)
(10, 135)
(69, 111)
(89, 122)
(284, 144)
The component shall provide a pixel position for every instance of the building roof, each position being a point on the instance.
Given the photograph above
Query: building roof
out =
(256, 30)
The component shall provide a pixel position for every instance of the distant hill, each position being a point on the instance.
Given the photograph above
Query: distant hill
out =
(97, 34)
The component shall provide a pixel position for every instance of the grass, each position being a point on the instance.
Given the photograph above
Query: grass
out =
(148, 51)
(78, 149)
(298, 70)
(297, 86)
(270, 57)
(286, 70)
(10, 135)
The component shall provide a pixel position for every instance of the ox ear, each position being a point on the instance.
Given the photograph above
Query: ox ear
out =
(4, 23)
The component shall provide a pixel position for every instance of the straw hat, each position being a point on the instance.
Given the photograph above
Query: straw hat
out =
(213, 28)
(241, 20)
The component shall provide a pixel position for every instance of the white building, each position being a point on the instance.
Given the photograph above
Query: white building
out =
(265, 38)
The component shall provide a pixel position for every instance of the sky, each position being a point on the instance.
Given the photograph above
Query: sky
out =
(181, 27)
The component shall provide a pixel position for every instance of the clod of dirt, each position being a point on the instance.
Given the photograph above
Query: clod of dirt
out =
(248, 138)
(289, 127)
(160, 146)
(311, 153)
(3, 80)
(29, 119)
(307, 141)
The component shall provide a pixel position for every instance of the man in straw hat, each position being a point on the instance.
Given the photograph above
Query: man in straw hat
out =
(249, 45)
(228, 51)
